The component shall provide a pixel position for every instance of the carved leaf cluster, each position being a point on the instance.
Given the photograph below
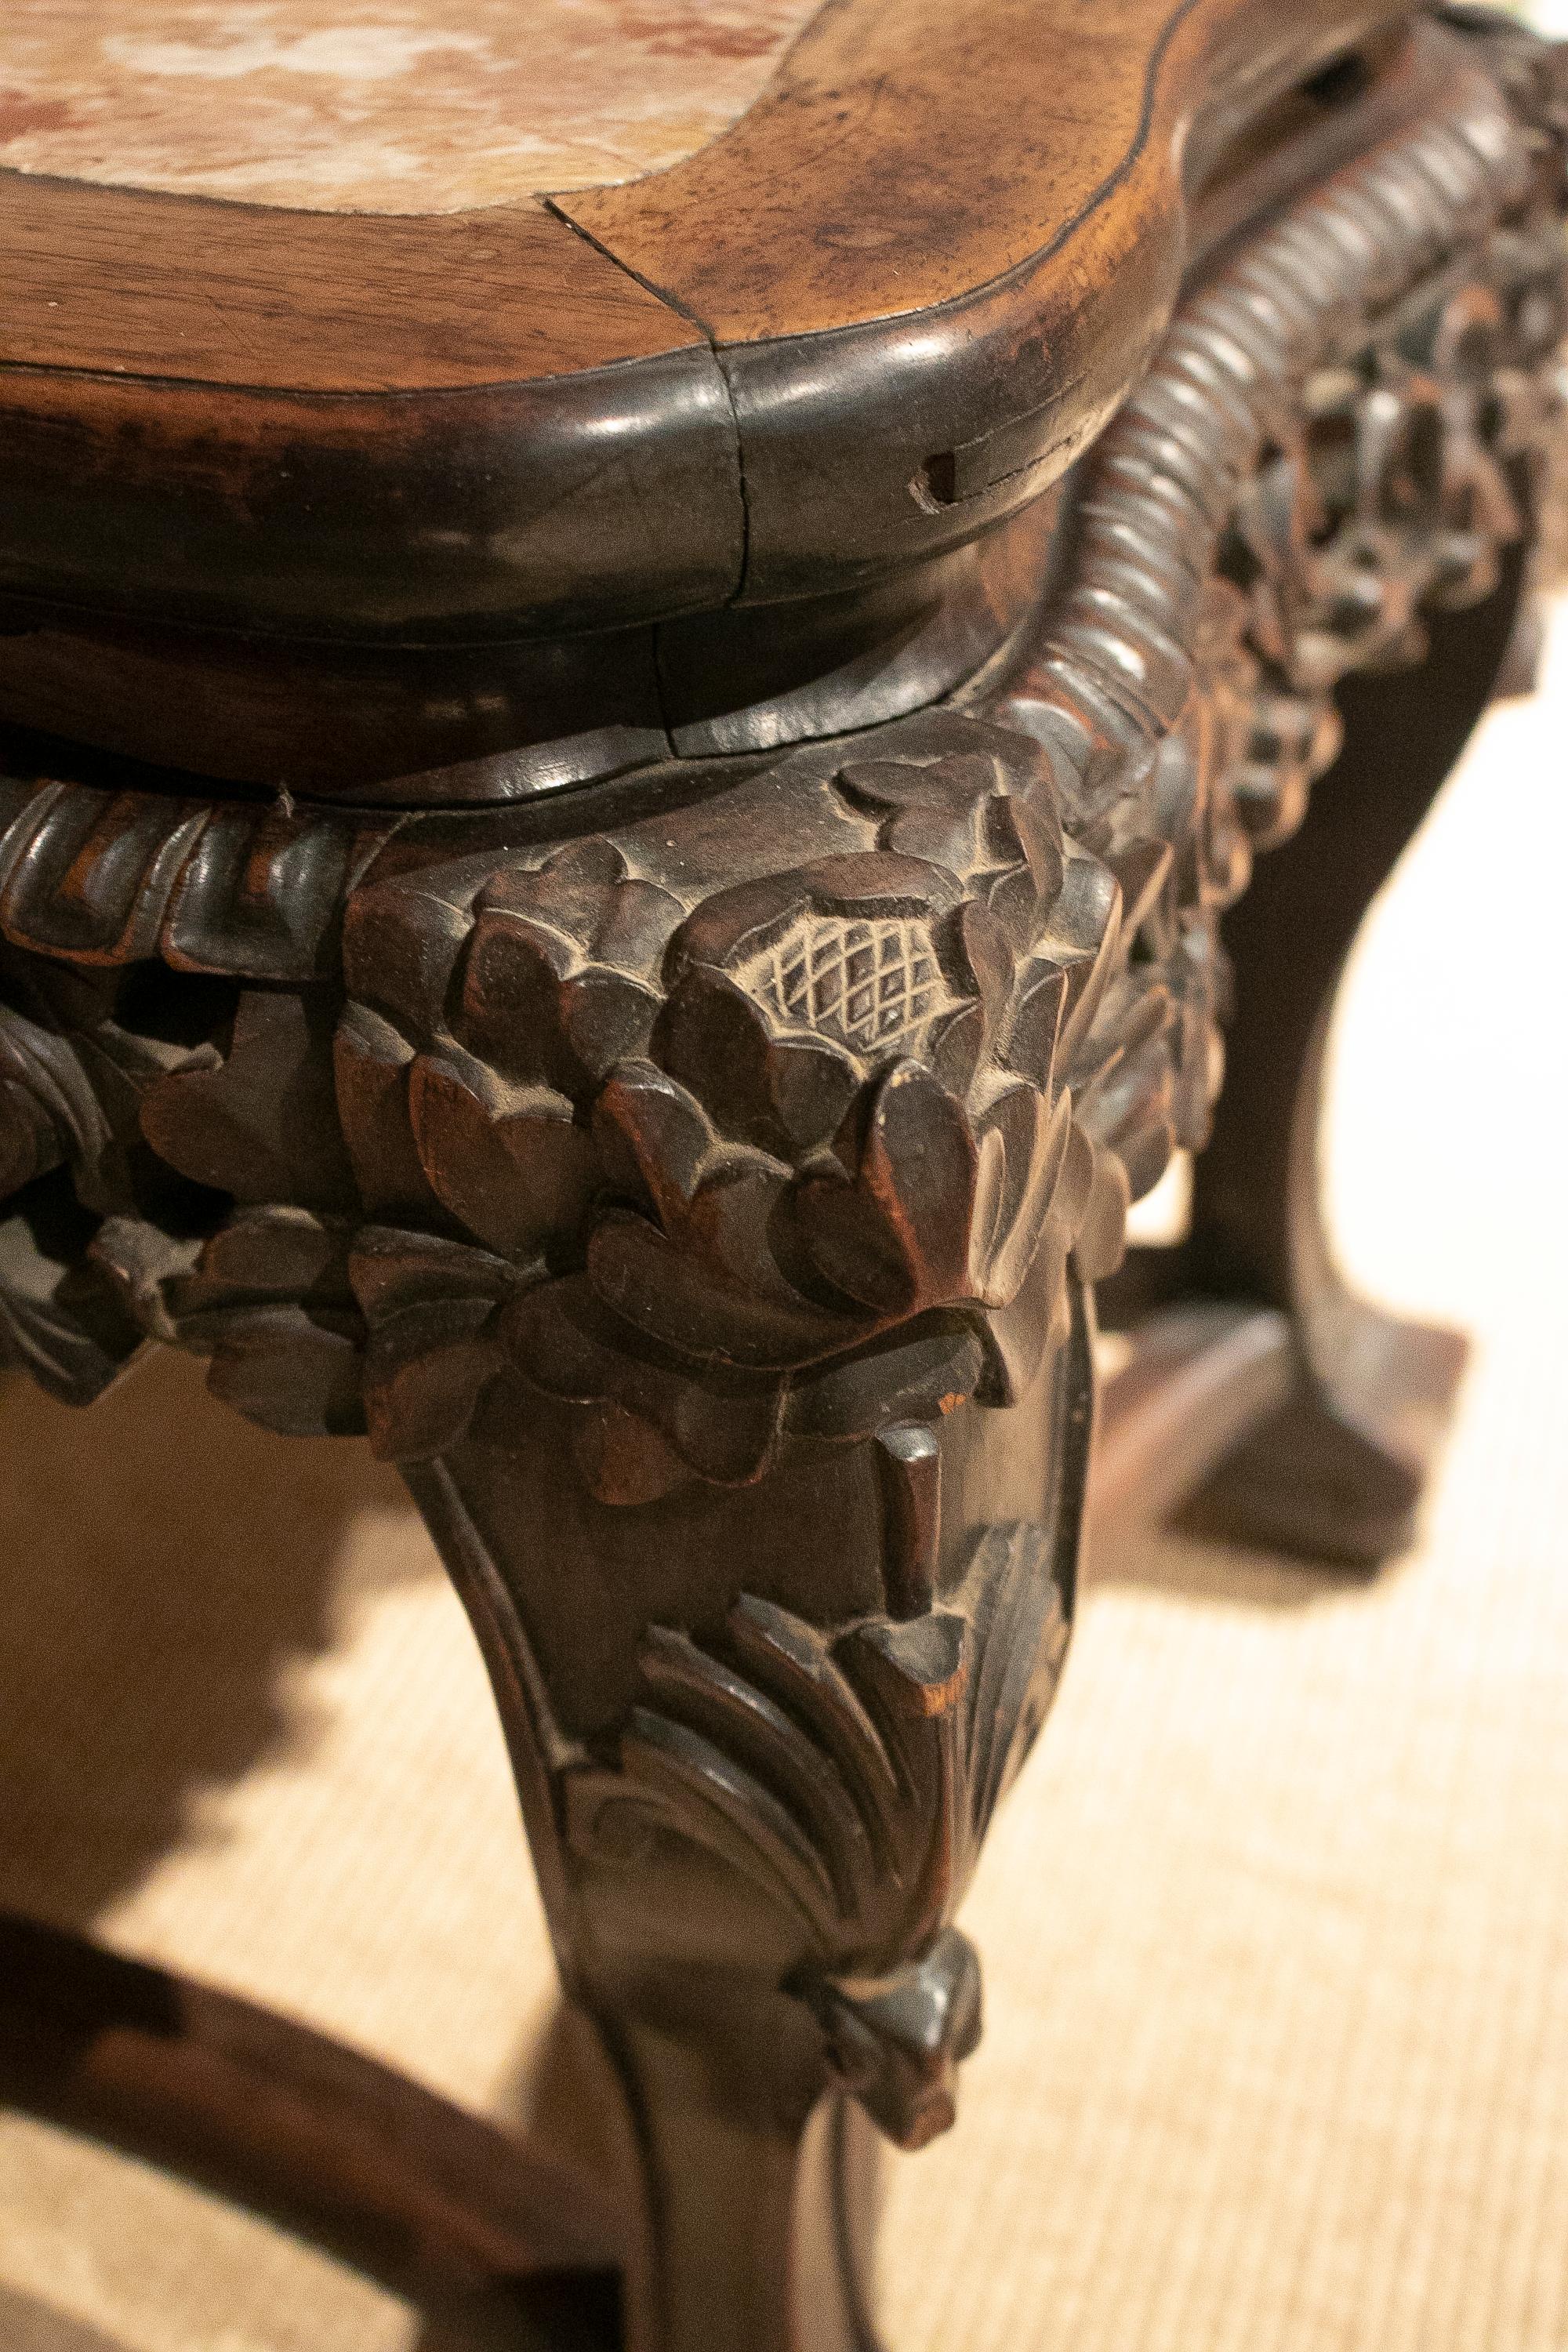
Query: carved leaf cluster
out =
(693, 1155)
(850, 1782)
(774, 1112)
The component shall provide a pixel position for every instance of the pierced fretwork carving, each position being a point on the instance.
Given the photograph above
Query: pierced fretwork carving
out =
(775, 1116)
(1337, 436)
(749, 1153)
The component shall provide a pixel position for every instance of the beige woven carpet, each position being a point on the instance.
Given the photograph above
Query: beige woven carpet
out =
(1275, 1926)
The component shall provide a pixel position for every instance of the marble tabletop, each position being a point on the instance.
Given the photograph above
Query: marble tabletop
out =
(386, 106)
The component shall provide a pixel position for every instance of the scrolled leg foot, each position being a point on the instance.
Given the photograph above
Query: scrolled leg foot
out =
(757, 1773)
(688, 1204)
(1339, 1471)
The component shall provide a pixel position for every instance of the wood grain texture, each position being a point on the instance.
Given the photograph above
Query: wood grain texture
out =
(383, 106)
(906, 156)
(696, 1183)
(118, 282)
(889, 168)
(903, 292)
(543, 1028)
(867, 444)
(520, 510)
(433, 726)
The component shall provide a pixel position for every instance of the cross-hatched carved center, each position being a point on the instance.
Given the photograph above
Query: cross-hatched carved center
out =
(871, 984)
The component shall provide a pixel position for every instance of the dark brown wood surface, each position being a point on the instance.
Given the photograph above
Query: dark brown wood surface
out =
(1341, 1471)
(898, 298)
(474, 2229)
(907, 156)
(699, 1182)
(423, 725)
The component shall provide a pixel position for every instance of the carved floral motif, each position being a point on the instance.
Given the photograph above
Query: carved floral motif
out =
(850, 1779)
(1275, 507)
(792, 1140)
(711, 1151)
(772, 1112)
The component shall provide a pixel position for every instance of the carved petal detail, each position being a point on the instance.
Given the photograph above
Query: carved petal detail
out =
(830, 1060)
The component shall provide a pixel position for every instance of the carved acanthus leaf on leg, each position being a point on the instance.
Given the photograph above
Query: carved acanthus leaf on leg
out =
(766, 1119)
(851, 1776)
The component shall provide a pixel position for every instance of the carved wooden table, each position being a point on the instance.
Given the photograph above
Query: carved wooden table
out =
(616, 819)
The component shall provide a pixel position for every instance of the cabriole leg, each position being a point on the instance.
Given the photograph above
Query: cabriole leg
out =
(1338, 1473)
(759, 1734)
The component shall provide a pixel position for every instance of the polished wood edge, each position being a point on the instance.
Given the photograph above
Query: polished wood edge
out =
(414, 2190)
(1081, 646)
(791, 202)
(907, 158)
(468, 723)
(908, 414)
(915, 433)
(700, 1185)
(193, 290)
(434, 725)
(456, 514)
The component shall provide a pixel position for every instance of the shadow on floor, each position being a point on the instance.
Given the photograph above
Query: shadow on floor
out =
(29, 2326)
(162, 1566)
(1192, 1567)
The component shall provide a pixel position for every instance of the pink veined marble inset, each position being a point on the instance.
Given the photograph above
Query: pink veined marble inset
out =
(384, 106)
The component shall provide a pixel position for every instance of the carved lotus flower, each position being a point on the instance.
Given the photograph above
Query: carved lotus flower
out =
(695, 1169)
(832, 1137)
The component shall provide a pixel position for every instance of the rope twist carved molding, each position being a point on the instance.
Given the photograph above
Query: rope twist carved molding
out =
(775, 1113)
(801, 1154)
